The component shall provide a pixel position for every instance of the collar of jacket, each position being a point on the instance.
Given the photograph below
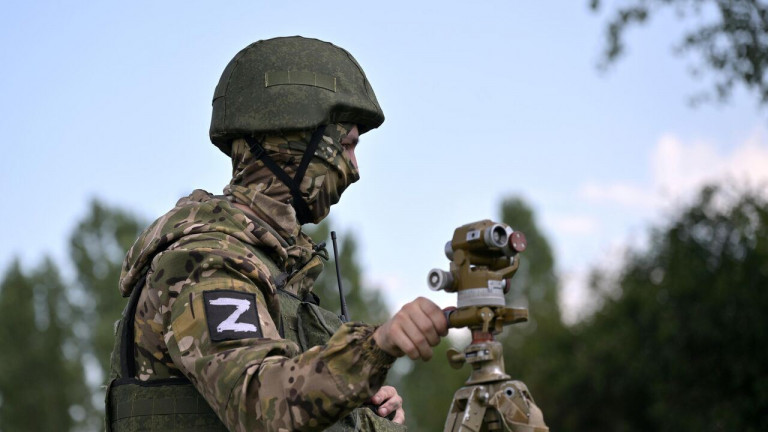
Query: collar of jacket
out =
(277, 215)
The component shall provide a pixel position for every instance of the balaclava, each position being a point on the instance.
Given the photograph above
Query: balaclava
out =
(328, 174)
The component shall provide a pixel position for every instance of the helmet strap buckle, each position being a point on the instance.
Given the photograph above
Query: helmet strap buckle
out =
(255, 147)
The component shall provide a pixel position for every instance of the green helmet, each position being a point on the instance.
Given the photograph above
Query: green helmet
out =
(290, 84)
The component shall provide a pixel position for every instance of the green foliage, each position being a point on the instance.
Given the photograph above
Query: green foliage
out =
(679, 343)
(97, 248)
(734, 46)
(50, 329)
(535, 284)
(41, 378)
(528, 347)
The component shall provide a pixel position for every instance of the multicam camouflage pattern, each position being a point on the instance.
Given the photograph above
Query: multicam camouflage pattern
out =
(329, 173)
(288, 84)
(208, 243)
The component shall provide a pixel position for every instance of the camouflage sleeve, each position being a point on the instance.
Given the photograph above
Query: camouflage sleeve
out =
(259, 383)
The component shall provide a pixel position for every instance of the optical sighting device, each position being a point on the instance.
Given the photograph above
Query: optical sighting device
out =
(484, 257)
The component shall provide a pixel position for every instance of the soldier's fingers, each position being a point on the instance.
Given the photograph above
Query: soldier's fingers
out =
(409, 348)
(392, 403)
(388, 407)
(425, 326)
(424, 314)
(397, 336)
(435, 314)
(399, 416)
(418, 339)
(384, 393)
(413, 330)
(428, 317)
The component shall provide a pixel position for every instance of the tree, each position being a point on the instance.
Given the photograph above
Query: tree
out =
(531, 349)
(97, 248)
(56, 328)
(535, 285)
(41, 376)
(679, 341)
(734, 47)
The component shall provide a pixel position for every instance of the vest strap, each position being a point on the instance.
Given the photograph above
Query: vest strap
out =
(127, 356)
(149, 406)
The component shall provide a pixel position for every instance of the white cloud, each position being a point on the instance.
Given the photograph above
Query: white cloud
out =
(751, 160)
(679, 169)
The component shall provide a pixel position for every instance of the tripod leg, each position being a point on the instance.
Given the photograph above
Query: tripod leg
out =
(505, 405)
(467, 409)
(516, 408)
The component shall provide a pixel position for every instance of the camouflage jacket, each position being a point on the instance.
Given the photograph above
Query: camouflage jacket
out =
(202, 253)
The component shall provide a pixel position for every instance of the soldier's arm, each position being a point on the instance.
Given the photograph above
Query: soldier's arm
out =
(254, 379)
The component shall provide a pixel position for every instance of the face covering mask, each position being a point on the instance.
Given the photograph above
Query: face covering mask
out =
(327, 175)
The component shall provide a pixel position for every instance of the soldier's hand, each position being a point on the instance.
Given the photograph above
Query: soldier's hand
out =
(413, 331)
(387, 401)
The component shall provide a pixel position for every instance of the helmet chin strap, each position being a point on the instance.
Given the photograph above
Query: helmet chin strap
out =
(303, 213)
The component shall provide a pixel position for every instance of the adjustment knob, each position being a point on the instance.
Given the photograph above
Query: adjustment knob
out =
(455, 358)
(517, 241)
(440, 280)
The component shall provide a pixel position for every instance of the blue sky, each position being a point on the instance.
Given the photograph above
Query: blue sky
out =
(112, 100)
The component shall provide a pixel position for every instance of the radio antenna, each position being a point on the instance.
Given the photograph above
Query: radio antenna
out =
(344, 313)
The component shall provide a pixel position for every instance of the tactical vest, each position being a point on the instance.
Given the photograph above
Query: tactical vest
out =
(174, 404)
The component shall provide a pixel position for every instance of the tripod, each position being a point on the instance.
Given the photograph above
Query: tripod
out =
(483, 259)
(490, 400)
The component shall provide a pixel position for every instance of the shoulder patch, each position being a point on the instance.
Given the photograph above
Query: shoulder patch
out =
(231, 315)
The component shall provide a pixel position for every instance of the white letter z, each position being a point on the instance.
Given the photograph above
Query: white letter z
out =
(231, 322)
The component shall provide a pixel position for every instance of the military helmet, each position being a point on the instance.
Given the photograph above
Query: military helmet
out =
(290, 84)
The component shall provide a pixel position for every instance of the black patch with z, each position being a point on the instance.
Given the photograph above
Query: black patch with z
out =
(231, 315)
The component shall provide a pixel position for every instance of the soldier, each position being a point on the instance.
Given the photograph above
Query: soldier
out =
(222, 330)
